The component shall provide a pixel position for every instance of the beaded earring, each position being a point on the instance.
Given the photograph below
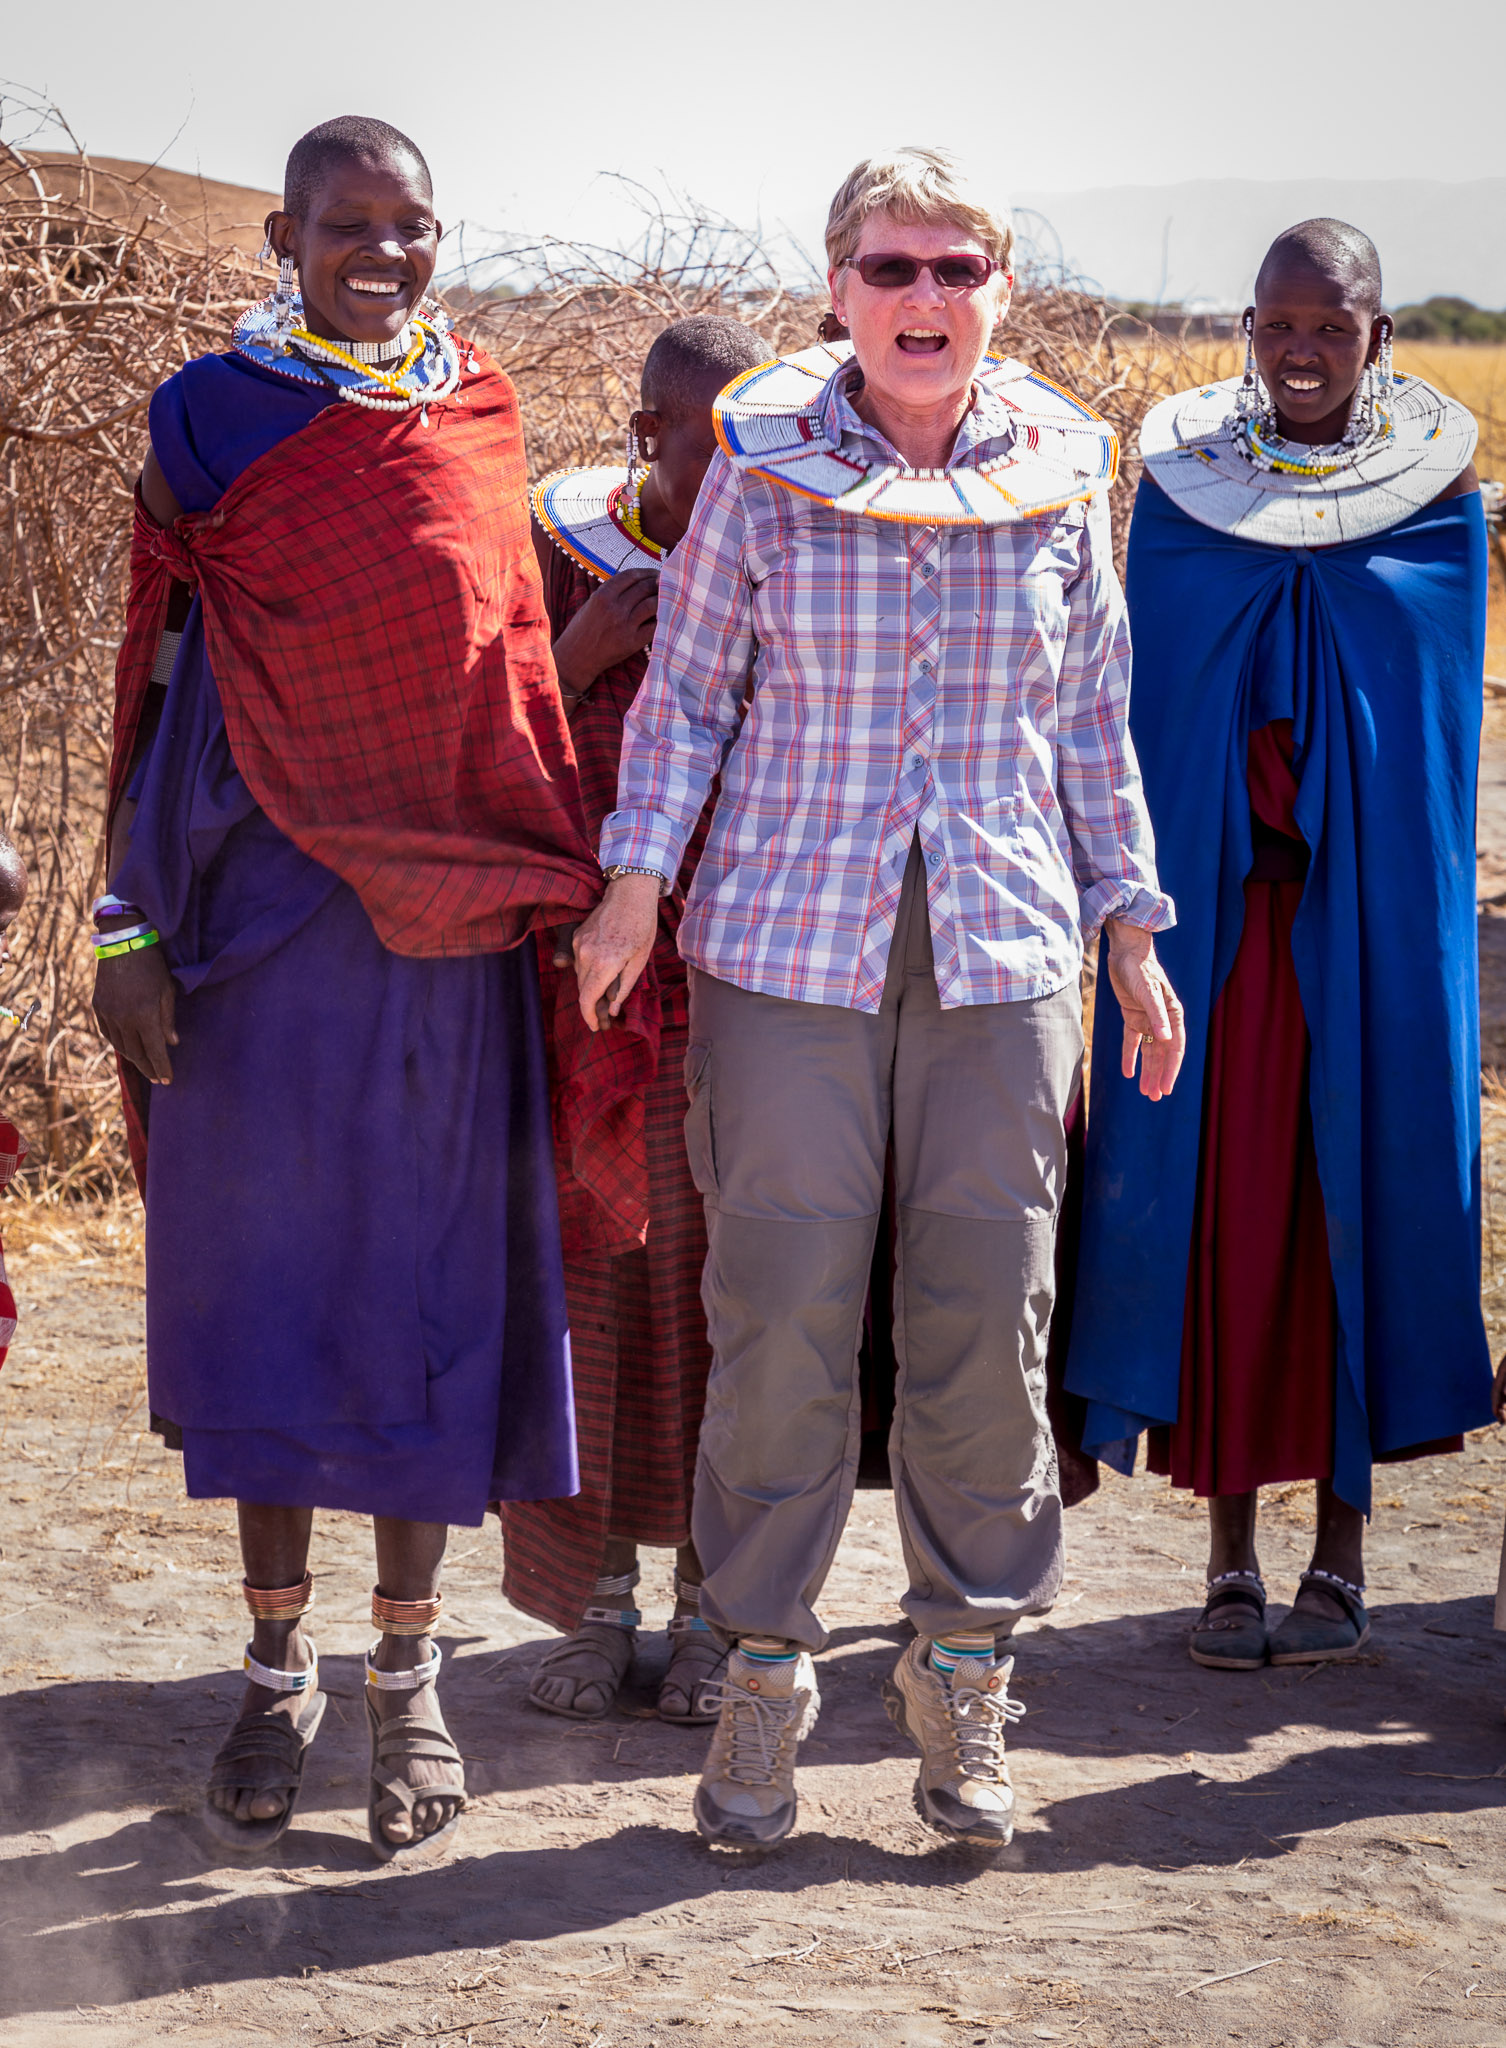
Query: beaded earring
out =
(283, 305)
(1383, 381)
(1247, 401)
(635, 462)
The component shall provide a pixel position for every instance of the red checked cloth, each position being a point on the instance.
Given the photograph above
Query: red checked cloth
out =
(375, 624)
(12, 1152)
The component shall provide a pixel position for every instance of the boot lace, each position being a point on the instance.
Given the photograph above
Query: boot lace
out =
(979, 1720)
(755, 1730)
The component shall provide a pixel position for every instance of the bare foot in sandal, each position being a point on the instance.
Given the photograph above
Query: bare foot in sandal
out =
(582, 1676)
(415, 1749)
(696, 1659)
(257, 1772)
(259, 1702)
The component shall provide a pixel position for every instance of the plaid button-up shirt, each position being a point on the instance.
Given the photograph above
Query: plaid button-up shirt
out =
(966, 684)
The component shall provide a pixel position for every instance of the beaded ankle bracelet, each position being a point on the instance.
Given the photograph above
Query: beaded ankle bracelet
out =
(282, 1681)
(607, 1588)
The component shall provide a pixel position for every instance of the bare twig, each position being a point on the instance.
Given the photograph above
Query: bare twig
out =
(1228, 1976)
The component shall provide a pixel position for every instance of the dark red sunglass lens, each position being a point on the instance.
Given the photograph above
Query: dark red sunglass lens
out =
(954, 272)
(889, 273)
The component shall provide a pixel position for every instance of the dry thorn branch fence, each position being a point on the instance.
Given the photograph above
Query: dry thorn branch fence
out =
(93, 316)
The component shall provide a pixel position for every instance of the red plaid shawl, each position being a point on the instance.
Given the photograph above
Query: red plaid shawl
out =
(376, 627)
(600, 1081)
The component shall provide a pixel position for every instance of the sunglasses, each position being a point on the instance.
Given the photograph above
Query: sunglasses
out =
(952, 273)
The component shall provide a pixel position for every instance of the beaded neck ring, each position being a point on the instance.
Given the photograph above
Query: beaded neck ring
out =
(419, 367)
(1258, 438)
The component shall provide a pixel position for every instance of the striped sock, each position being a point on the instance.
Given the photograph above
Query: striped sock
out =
(767, 1650)
(947, 1652)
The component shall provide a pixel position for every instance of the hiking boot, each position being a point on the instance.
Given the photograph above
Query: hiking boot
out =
(958, 1725)
(747, 1791)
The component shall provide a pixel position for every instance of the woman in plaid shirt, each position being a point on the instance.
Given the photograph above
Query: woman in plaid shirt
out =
(900, 562)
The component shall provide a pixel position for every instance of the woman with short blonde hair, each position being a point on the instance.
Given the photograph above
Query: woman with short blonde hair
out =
(899, 563)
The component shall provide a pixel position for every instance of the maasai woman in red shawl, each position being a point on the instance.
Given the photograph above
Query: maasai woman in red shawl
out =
(347, 801)
(637, 1327)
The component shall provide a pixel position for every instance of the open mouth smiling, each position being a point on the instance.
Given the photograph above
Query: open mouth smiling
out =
(375, 287)
(922, 341)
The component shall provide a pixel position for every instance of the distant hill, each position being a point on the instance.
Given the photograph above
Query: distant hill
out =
(204, 207)
(1203, 241)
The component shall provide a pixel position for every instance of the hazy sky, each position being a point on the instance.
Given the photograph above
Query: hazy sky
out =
(759, 111)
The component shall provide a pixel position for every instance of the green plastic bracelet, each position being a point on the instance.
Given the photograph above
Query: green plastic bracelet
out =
(131, 946)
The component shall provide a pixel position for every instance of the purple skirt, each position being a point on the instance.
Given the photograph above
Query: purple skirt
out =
(355, 1296)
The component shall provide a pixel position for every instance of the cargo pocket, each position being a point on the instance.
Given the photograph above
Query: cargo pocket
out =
(700, 1137)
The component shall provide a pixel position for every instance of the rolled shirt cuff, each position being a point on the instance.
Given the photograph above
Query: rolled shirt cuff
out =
(641, 839)
(1148, 908)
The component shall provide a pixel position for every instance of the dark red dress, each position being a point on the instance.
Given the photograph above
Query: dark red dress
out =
(1260, 1330)
(637, 1326)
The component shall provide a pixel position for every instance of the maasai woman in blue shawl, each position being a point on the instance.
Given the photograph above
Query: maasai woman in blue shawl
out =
(1280, 1278)
(351, 802)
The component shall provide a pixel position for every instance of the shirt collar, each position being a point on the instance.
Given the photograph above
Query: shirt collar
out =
(987, 426)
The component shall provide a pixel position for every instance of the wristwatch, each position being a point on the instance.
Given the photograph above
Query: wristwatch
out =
(622, 868)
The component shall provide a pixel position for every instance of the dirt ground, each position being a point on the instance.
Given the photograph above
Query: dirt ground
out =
(1285, 1859)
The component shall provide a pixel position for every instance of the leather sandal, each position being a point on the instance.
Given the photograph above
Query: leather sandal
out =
(1317, 1638)
(596, 1659)
(696, 1661)
(401, 1740)
(265, 1752)
(1230, 1633)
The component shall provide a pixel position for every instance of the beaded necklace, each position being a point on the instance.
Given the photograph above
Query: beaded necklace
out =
(1261, 444)
(317, 346)
(272, 335)
(629, 510)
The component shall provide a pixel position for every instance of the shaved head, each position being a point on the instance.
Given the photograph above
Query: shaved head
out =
(1330, 249)
(348, 138)
(693, 359)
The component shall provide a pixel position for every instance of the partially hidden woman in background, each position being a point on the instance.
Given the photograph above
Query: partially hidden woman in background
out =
(342, 797)
(634, 1229)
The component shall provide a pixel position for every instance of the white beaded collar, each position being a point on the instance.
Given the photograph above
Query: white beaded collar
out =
(771, 422)
(581, 511)
(431, 378)
(1193, 449)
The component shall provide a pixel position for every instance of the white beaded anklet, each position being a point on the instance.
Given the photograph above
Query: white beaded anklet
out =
(282, 1681)
(403, 1681)
(619, 1587)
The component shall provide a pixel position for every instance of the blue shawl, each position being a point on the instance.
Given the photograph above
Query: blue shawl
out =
(1374, 650)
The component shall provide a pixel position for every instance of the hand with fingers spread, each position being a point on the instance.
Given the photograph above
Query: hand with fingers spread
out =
(1155, 1032)
(613, 945)
(134, 1002)
(616, 621)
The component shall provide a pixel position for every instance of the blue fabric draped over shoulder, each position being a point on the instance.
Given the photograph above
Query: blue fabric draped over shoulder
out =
(354, 1289)
(1374, 650)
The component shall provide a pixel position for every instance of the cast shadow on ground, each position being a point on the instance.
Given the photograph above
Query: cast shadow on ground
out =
(1416, 1729)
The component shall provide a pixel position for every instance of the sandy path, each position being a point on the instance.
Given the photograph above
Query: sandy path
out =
(1340, 1829)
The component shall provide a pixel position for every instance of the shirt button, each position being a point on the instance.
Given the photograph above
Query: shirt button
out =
(929, 569)
(926, 667)
(933, 860)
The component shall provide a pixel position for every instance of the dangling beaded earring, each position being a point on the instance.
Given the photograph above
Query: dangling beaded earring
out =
(283, 305)
(1383, 381)
(631, 489)
(1247, 401)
